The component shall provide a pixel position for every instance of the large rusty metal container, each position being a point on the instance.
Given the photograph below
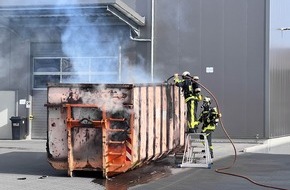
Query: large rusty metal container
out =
(112, 127)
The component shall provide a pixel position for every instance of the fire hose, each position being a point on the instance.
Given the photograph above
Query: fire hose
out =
(222, 170)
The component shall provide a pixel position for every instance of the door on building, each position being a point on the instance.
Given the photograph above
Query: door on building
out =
(39, 112)
(7, 110)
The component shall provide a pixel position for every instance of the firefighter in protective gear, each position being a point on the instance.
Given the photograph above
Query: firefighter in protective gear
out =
(209, 117)
(191, 92)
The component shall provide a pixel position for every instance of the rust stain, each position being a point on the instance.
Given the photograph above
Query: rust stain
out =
(96, 128)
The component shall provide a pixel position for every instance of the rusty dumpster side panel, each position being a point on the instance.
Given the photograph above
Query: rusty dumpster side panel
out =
(112, 127)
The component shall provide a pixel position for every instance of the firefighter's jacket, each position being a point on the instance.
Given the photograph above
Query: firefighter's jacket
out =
(210, 118)
(188, 87)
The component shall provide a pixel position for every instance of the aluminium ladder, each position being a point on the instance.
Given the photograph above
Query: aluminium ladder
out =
(196, 151)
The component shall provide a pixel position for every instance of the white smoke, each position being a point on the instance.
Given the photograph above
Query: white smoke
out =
(105, 98)
(135, 73)
(3, 61)
(84, 37)
(2, 65)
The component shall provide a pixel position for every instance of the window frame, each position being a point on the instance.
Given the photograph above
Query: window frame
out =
(90, 73)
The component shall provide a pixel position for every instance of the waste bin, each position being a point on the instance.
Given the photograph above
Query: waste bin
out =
(19, 127)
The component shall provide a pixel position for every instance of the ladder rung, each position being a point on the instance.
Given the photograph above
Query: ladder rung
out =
(116, 130)
(117, 119)
(198, 152)
(196, 146)
(115, 153)
(116, 142)
(194, 140)
(115, 165)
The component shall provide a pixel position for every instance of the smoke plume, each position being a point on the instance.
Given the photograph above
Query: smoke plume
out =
(100, 47)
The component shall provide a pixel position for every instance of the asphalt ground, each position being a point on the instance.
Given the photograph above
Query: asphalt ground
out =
(268, 169)
(265, 165)
(23, 165)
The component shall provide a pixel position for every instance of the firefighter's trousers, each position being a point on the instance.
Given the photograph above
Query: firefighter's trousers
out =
(191, 113)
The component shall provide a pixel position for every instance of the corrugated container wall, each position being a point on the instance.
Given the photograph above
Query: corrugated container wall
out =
(226, 37)
(279, 69)
(113, 127)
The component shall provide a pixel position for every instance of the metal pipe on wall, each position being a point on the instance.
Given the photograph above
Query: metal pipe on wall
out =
(28, 137)
(149, 40)
(267, 130)
(139, 39)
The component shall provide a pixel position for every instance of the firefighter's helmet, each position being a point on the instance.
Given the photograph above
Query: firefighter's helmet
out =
(196, 78)
(206, 100)
(206, 103)
(186, 74)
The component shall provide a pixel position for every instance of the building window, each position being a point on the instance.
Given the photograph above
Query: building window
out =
(74, 70)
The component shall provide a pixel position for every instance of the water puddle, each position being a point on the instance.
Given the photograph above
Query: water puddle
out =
(146, 173)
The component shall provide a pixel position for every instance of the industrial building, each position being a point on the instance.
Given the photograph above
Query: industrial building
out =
(238, 48)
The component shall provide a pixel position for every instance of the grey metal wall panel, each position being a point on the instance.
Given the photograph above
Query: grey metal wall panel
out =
(7, 110)
(255, 94)
(130, 3)
(167, 41)
(14, 61)
(5, 46)
(279, 69)
(189, 45)
(244, 68)
(228, 36)
(213, 40)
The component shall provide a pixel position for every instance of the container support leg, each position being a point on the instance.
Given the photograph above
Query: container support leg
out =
(70, 154)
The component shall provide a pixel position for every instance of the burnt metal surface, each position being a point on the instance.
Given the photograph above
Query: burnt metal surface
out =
(112, 128)
(87, 148)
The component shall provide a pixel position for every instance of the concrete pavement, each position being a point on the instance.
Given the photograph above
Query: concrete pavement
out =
(23, 165)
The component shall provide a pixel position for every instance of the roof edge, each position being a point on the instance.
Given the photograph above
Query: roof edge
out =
(54, 4)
